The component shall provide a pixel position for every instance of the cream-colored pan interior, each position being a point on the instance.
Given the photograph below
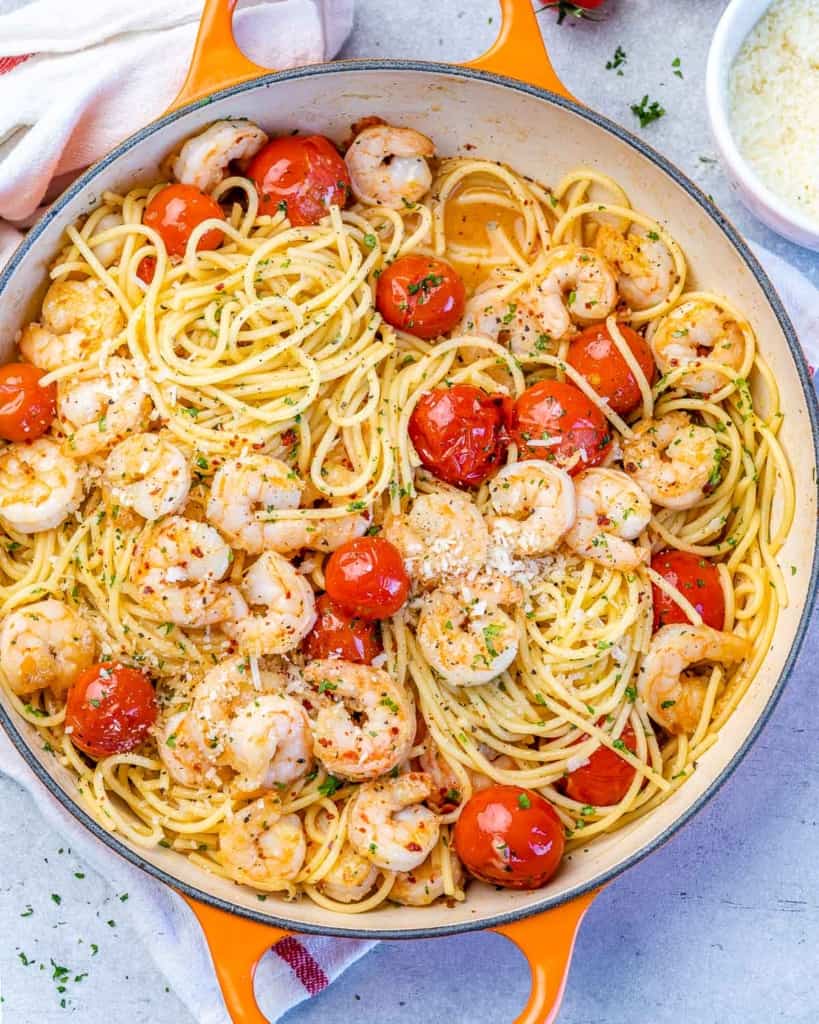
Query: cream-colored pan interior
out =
(542, 139)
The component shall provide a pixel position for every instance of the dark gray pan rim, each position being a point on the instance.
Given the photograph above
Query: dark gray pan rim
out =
(773, 299)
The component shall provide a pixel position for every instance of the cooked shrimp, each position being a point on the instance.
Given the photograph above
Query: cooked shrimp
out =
(645, 269)
(45, 644)
(178, 568)
(109, 252)
(77, 317)
(443, 536)
(351, 878)
(245, 493)
(289, 607)
(673, 696)
(425, 884)
(693, 331)
(260, 844)
(389, 824)
(612, 512)
(204, 158)
(675, 461)
(101, 410)
(39, 486)
(579, 287)
(189, 759)
(468, 643)
(251, 727)
(388, 166)
(528, 322)
(148, 473)
(534, 506)
(363, 721)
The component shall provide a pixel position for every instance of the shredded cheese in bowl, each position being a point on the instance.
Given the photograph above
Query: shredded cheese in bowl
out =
(773, 87)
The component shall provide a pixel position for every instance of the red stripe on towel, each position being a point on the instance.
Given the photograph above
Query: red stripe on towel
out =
(302, 964)
(9, 63)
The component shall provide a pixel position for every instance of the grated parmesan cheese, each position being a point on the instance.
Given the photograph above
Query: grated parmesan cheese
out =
(772, 90)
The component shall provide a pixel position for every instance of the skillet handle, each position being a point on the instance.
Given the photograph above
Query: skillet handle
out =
(236, 946)
(519, 51)
(547, 941)
(217, 62)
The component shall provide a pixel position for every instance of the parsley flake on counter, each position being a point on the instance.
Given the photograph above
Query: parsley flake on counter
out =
(677, 67)
(647, 111)
(617, 61)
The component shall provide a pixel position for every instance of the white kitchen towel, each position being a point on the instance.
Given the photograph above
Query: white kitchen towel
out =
(78, 78)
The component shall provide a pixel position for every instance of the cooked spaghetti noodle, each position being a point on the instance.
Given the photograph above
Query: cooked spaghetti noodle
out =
(271, 344)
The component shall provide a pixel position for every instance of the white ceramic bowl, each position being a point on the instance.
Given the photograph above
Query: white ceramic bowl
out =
(737, 21)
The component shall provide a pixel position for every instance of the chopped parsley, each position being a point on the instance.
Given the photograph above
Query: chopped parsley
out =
(524, 802)
(617, 61)
(330, 785)
(647, 111)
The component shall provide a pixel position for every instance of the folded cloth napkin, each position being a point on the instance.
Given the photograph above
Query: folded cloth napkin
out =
(72, 87)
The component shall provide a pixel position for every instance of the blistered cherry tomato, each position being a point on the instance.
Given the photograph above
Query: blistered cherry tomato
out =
(594, 354)
(176, 210)
(110, 709)
(606, 777)
(146, 269)
(303, 177)
(337, 634)
(366, 577)
(554, 420)
(697, 580)
(26, 407)
(460, 433)
(510, 836)
(421, 295)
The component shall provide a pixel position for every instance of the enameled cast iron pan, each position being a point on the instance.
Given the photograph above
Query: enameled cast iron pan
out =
(535, 126)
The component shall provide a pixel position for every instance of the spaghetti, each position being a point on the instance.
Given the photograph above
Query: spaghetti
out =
(271, 345)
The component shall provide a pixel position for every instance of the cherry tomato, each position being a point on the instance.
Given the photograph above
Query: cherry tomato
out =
(26, 407)
(595, 355)
(304, 176)
(146, 269)
(110, 709)
(421, 295)
(176, 210)
(560, 413)
(697, 579)
(607, 776)
(366, 577)
(510, 836)
(337, 634)
(460, 433)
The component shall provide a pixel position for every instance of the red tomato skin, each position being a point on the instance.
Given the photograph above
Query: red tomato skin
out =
(176, 210)
(697, 579)
(460, 433)
(505, 842)
(305, 173)
(27, 409)
(594, 354)
(366, 577)
(337, 634)
(110, 709)
(146, 269)
(606, 778)
(553, 408)
(421, 295)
